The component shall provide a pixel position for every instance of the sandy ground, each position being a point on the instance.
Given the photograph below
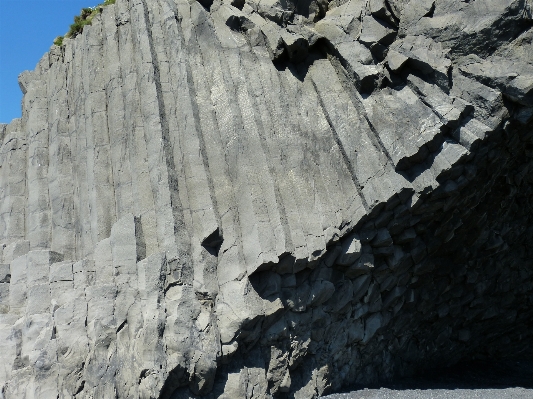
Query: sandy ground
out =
(474, 380)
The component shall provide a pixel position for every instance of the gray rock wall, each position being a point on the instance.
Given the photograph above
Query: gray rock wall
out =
(257, 199)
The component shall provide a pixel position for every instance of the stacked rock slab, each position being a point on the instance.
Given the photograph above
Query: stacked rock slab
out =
(255, 199)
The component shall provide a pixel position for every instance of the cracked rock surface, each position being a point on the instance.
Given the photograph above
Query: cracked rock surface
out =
(268, 198)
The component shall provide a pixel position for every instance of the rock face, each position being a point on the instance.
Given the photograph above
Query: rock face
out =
(268, 198)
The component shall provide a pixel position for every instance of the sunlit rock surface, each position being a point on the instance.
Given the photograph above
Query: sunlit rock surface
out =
(261, 198)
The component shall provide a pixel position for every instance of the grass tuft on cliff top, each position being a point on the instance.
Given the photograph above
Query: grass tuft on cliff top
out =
(80, 21)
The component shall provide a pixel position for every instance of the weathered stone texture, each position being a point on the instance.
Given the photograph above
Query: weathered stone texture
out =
(254, 199)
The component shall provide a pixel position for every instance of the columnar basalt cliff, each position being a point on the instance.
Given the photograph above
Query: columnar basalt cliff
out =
(266, 198)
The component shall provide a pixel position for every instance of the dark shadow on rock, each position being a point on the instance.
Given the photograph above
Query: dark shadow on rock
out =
(473, 374)
(300, 69)
(213, 242)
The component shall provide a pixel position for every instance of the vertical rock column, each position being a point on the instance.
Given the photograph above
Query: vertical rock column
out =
(38, 220)
(68, 282)
(187, 346)
(77, 123)
(200, 73)
(134, 141)
(155, 125)
(60, 171)
(128, 306)
(13, 183)
(119, 124)
(100, 174)
(186, 146)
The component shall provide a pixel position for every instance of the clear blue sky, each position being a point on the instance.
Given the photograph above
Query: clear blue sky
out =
(27, 30)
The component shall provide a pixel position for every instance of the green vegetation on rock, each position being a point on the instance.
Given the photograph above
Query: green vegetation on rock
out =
(58, 41)
(80, 21)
